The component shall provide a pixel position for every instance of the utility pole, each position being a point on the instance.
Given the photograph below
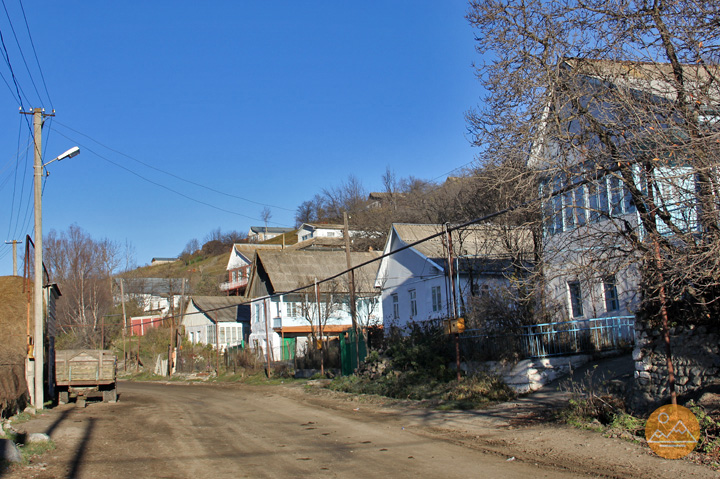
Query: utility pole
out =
(39, 332)
(14, 243)
(122, 298)
(451, 278)
(266, 312)
(351, 274)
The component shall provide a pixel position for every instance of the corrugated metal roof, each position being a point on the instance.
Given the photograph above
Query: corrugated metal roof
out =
(270, 229)
(220, 307)
(287, 270)
(154, 286)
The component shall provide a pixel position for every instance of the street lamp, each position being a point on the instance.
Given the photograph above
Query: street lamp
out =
(38, 337)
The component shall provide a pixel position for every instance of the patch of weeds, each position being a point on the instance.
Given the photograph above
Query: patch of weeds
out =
(414, 366)
(709, 441)
(34, 449)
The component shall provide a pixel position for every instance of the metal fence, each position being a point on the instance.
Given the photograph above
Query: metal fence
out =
(554, 339)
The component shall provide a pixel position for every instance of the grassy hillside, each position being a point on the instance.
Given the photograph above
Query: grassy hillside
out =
(204, 273)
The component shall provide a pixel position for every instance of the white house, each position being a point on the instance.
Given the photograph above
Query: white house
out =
(204, 314)
(263, 233)
(318, 230)
(617, 131)
(286, 320)
(414, 281)
(238, 267)
(157, 295)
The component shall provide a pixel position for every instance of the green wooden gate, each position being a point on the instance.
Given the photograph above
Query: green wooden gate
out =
(348, 359)
(288, 349)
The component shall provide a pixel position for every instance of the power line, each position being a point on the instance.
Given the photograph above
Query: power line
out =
(42, 76)
(174, 175)
(159, 185)
(22, 55)
(6, 56)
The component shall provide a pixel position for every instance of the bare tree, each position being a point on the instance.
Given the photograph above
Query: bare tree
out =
(266, 214)
(621, 100)
(83, 268)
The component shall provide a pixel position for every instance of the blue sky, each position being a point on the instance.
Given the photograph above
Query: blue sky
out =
(266, 101)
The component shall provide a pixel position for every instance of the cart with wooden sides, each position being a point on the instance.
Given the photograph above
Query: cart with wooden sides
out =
(83, 373)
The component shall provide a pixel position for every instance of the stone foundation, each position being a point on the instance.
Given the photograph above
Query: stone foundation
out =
(695, 356)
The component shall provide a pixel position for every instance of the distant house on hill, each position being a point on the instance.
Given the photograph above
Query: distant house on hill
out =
(220, 321)
(157, 295)
(159, 261)
(320, 230)
(263, 233)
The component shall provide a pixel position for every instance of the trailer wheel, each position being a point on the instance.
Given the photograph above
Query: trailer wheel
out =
(110, 395)
(63, 397)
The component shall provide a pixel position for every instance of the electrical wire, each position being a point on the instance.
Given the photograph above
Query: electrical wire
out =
(209, 188)
(42, 76)
(159, 185)
(6, 56)
(22, 55)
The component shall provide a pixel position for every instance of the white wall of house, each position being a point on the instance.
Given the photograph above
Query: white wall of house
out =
(150, 302)
(406, 280)
(259, 324)
(288, 312)
(414, 288)
(588, 273)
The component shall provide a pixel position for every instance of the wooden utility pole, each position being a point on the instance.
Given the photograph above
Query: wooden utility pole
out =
(39, 333)
(351, 276)
(317, 304)
(217, 345)
(122, 299)
(14, 243)
(267, 338)
(451, 277)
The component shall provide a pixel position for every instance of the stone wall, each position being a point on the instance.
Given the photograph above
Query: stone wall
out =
(696, 359)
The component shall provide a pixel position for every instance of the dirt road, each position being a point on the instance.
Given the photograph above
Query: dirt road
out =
(200, 430)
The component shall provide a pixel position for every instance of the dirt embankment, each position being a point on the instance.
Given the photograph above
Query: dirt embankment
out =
(13, 346)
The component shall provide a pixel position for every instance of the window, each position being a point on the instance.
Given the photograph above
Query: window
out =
(222, 336)
(395, 306)
(611, 296)
(576, 299)
(211, 338)
(292, 309)
(484, 291)
(436, 299)
(413, 304)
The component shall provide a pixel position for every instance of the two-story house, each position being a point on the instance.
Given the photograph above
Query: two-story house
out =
(238, 267)
(625, 150)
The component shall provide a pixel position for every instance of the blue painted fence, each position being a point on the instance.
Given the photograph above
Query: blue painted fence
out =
(556, 339)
